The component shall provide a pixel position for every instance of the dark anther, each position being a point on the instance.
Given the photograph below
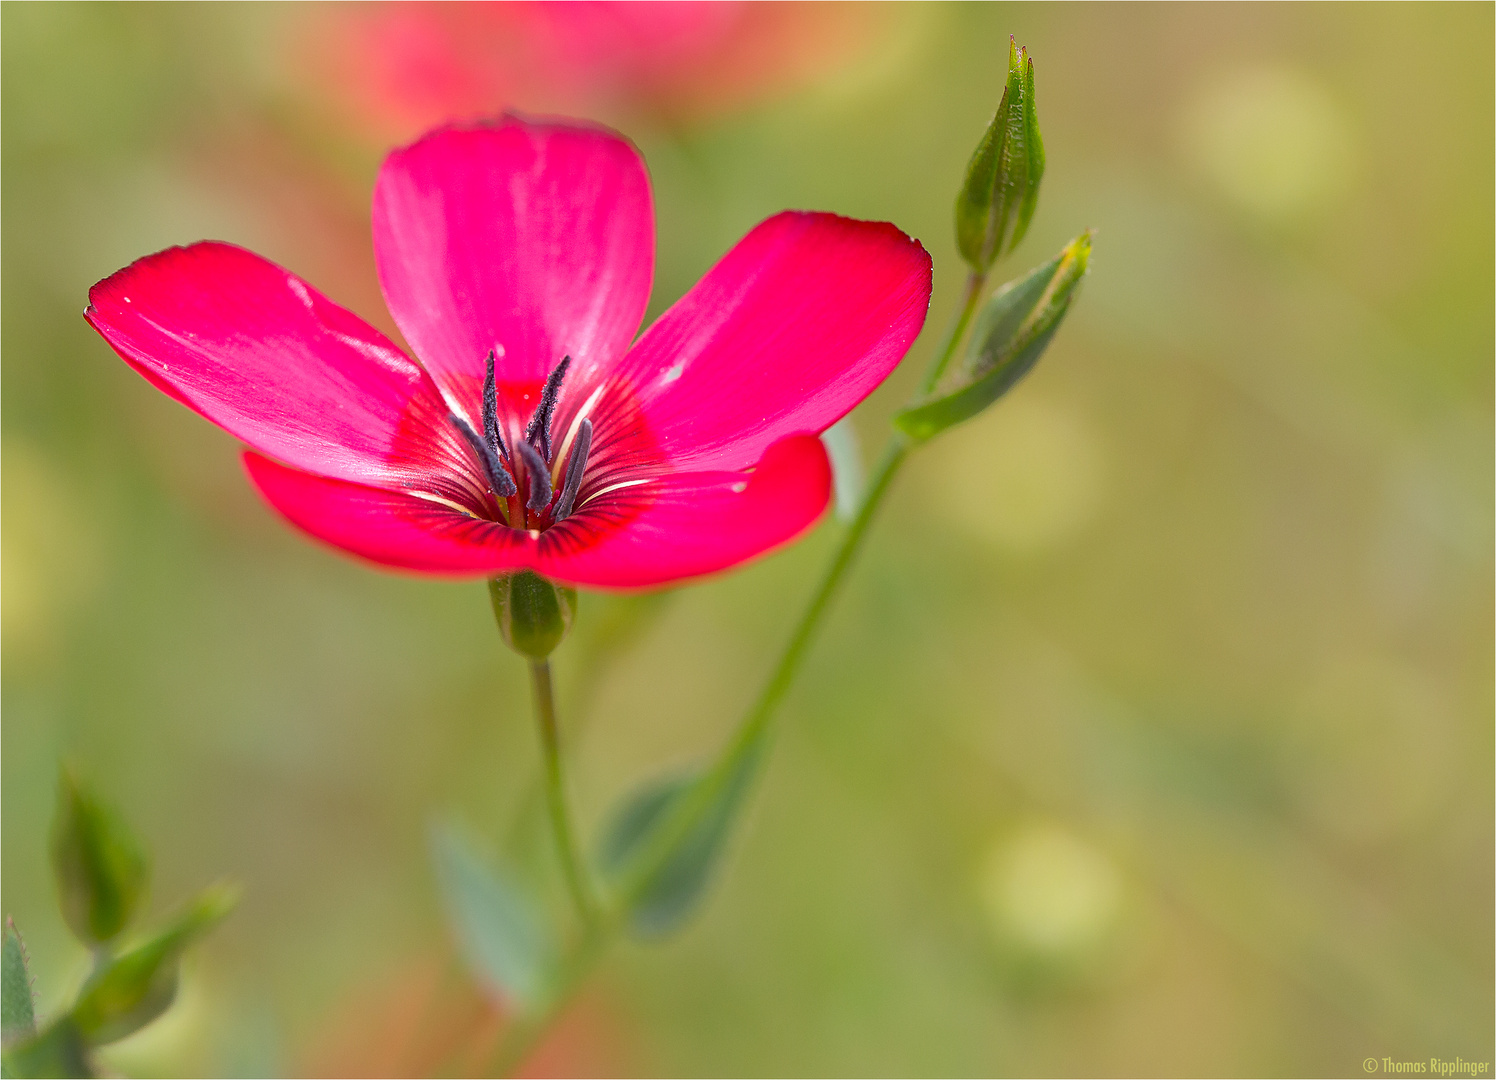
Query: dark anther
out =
(491, 411)
(574, 469)
(499, 481)
(540, 476)
(540, 423)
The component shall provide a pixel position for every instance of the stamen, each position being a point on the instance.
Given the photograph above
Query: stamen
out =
(574, 469)
(540, 476)
(499, 481)
(491, 411)
(540, 423)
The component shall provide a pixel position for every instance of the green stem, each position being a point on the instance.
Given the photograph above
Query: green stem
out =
(954, 333)
(555, 789)
(526, 1031)
(755, 725)
(522, 1037)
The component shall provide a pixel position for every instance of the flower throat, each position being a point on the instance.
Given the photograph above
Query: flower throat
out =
(529, 463)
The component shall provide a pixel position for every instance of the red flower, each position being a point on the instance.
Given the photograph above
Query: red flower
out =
(516, 259)
(400, 67)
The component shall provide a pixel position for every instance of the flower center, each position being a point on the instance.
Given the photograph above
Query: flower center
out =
(520, 477)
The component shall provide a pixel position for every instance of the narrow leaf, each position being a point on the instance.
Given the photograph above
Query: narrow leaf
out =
(501, 932)
(100, 866)
(137, 986)
(1002, 180)
(669, 891)
(847, 471)
(1010, 335)
(17, 1007)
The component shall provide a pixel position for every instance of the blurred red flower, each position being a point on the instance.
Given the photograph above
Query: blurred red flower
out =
(404, 67)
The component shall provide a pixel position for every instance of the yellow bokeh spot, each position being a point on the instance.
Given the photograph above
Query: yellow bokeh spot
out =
(1272, 140)
(1049, 891)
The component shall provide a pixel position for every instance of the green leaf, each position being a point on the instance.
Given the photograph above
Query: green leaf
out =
(17, 1007)
(101, 868)
(57, 1052)
(649, 825)
(1002, 179)
(1010, 335)
(132, 989)
(505, 939)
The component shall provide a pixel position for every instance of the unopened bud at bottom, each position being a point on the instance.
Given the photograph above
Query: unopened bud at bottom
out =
(533, 614)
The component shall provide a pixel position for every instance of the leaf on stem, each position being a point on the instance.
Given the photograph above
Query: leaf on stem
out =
(502, 934)
(1002, 180)
(100, 866)
(1010, 335)
(17, 1007)
(132, 989)
(683, 853)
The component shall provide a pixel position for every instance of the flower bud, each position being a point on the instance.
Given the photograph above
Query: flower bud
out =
(1002, 180)
(101, 868)
(134, 988)
(533, 614)
(1011, 333)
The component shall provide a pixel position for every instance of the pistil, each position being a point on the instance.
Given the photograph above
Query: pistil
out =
(491, 410)
(540, 476)
(580, 447)
(530, 457)
(499, 481)
(540, 424)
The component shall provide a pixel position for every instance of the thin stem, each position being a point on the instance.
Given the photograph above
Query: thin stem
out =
(954, 333)
(521, 1039)
(755, 724)
(894, 452)
(524, 1034)
(555, 789)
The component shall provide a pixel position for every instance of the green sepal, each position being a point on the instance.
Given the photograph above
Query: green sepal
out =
(101, 867)
(666, 894)
(1010, 335)
(57, 1052)
(503, 935)
(1002, 180)
(130, 990)
(533, 613)
(17, 1006)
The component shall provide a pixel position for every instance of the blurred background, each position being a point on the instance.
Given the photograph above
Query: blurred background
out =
(1153, 733)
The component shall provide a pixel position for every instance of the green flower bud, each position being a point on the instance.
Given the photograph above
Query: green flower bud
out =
(101, 868)
(1002, 180)
(134, 988)
(1010, 335)
(534, 614)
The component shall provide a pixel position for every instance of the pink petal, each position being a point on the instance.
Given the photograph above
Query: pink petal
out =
(389, 528)
(263, 355)
(535, 237)
(671, 528)
(796, 325)
(688, 524)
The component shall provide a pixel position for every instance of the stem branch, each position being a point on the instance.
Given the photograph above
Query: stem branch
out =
(599, 929)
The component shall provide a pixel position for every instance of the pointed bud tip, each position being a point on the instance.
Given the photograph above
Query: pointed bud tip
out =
(1001, 189)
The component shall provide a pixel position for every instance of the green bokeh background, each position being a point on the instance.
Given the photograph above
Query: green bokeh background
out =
(1153, 733)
